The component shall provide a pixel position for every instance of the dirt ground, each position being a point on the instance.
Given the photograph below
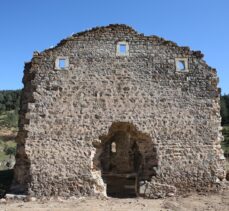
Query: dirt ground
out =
(193, 202)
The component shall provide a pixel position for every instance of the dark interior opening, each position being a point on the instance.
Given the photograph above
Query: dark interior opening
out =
(126, 158)
(121, 186)
(121, 165)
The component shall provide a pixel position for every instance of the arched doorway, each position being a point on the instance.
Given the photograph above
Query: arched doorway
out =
(126, 159)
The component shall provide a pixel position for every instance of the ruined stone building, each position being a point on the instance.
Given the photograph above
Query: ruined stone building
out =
(110, 111)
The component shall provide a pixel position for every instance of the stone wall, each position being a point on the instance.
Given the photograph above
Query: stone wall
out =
(64, 114)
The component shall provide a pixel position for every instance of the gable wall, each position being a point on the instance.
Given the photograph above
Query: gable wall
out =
(64, 112)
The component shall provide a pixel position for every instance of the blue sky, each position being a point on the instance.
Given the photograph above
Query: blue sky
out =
(29, 25)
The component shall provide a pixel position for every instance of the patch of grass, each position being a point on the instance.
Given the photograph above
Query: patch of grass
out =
(3, 156)
(8, 123)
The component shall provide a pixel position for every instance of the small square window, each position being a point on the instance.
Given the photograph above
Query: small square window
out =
(62, 63)
(182, 65)
(122, 49)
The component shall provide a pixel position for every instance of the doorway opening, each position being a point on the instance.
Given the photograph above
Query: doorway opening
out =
(126, 159)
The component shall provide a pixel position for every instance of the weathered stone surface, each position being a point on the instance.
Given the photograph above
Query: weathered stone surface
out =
(156, 190)
(3, 201)
(31, 198)
(15, 197)
(67, 116)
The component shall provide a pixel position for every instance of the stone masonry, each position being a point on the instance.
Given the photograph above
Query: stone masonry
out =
(110, 110)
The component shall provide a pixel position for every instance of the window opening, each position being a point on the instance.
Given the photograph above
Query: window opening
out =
(113, 147)
(122, 48)
(62, 63)
(181, 65)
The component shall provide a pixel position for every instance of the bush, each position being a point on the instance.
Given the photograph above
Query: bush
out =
(9, 100)
(10, 119)
(226, 134)
(224, 104)
(10, 150)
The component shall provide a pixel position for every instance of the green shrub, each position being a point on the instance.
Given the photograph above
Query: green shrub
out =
(225, 143)
(9, 119)
(10, 150)
(224, 104)
(12, 119)
(9, 100)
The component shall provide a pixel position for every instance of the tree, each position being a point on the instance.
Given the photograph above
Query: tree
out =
(224, 103)
(9, 100)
